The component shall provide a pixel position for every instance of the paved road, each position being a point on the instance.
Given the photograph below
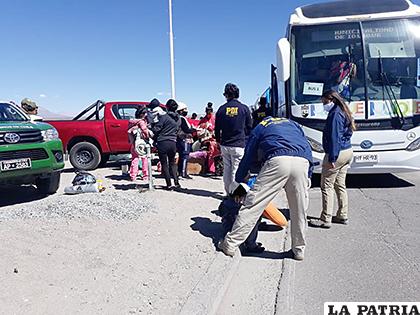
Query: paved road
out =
(375, 258)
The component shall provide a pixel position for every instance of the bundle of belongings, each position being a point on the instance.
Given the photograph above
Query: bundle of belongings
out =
(84, 182)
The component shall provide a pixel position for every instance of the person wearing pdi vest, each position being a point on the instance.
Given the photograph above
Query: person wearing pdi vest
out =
(233, 125)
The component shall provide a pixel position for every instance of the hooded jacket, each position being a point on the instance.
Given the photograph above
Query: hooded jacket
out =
(166, 128)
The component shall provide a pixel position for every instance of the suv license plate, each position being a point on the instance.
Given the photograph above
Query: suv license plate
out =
(366, 158)
(17, 164)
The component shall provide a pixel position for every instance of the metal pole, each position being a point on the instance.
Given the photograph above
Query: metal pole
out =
(149, 165)
(171, 48)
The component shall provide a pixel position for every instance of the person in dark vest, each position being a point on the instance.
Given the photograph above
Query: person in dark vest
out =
(261, 112)
(233, 125)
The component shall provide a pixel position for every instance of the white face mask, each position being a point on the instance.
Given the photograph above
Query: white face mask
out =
(327, 107)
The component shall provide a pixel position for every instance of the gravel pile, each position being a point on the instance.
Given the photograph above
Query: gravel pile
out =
(115, 206)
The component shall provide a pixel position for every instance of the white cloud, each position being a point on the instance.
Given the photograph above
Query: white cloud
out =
(163, 93)
(42, 95)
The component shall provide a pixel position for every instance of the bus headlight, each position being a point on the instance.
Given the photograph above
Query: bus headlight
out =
(50, 134)
(413, 146)
(315, 145)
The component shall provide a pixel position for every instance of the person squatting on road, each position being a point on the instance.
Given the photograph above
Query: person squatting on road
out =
(184, 141)
(233, 125)
(287, 163)
(138, 128)
(165, 131)
(336, 142)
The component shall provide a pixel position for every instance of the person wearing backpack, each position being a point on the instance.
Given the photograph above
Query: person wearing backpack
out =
(137, 128)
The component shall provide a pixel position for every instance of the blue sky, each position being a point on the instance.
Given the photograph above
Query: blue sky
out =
(65, 54)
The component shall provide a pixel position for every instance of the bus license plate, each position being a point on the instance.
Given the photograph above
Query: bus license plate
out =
(17, 164)
(366, 158)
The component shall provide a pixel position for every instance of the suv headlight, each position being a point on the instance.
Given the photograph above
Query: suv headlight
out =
(413, 146)
(315, 145)
(50, 134)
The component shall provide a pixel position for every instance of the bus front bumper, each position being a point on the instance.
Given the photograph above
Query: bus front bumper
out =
(398, 161)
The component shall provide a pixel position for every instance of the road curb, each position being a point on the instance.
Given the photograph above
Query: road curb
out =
(207, 295)
(285, 290)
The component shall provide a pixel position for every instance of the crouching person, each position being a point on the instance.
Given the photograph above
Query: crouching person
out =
(287, 163)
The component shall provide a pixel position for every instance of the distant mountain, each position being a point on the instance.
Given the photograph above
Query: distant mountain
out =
(46, 114)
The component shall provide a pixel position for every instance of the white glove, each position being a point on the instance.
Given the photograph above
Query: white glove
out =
(239, 189)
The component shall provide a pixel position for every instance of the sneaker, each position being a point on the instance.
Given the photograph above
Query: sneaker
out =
(168, 188)
(221, 245)
(298, 255)
(318, 223)
(339, 220)
(187, 177)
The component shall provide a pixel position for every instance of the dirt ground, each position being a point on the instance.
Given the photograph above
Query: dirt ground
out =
(117, 252)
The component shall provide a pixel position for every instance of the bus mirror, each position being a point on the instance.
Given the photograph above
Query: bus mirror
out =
(283, 60)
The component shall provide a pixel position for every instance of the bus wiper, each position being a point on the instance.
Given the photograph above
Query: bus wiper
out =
(390, 93)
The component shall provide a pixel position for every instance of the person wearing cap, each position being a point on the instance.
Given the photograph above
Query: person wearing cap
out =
(233, 125)
(184, 141)
(31, 109)
(165, 128)
(261, 112)
(286, 158)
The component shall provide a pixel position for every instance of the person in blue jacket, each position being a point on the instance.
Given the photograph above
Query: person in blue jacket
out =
(336, 142)
(286, 158)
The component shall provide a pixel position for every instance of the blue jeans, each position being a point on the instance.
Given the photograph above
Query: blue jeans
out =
(184, 149)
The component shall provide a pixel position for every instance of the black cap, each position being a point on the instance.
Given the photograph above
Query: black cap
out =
(153, 104)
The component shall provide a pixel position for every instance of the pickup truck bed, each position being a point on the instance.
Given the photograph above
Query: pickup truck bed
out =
(97, 132)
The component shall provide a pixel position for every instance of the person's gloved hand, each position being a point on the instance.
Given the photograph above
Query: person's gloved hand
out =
(238, 191)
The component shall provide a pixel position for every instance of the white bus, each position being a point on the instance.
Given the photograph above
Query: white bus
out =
(368, 51)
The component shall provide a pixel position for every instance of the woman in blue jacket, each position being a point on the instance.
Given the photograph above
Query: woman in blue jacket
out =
(336, 141)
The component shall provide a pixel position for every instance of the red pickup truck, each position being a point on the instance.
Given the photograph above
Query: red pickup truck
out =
(97, 132)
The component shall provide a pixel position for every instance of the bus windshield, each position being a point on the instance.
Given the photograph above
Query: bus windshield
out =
(374, 65)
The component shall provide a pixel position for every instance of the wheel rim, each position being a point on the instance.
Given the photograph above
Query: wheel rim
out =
(84, 157)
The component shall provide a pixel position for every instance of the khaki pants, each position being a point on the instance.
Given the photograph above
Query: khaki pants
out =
(335, 180)
(231, 158)
(287, 172)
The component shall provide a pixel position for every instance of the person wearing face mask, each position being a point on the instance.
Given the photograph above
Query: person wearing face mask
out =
(184, 141)
(336, 142)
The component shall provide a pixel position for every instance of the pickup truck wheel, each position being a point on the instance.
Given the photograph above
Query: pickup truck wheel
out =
(85, 156)
(48, 185)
